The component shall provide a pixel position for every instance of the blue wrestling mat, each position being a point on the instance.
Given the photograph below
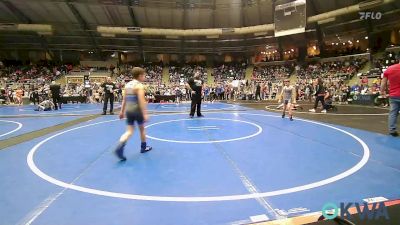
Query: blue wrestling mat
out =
(224, 168)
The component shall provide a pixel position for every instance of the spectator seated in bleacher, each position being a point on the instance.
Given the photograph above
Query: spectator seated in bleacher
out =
(229, 71)
(179, 74)
(272, 73)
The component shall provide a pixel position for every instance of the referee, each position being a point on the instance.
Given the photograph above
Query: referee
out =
(55, 94)
(108, 88)
(195, 84)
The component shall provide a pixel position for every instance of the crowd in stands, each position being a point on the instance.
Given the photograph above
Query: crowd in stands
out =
(229, 84)
(335, 70)
(32, 73)
(18, 81)
(181, 73)
(379, 64)
(231, 71)
(267, 81)
(369, 82)
(154, 73)
(218, 91)
(272, 73)
(335, 76)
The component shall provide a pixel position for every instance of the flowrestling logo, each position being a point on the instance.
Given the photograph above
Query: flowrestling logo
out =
(370, 15)
(364, 211)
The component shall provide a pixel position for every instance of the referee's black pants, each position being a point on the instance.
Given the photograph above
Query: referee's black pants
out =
(258, 96)
(196, 103)
(106, 98)
(56, 101)
(319, 99)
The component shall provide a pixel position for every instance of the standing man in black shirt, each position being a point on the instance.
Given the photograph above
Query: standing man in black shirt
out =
(319, 93)
(55, 94)
(108, 90)
(269, 89)
(258, 92)
(195, 85)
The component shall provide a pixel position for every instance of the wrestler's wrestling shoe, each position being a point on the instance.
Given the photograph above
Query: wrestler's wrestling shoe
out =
(144, 148)
(119, 151)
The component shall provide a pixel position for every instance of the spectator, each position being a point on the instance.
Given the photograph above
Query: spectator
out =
(392, 74)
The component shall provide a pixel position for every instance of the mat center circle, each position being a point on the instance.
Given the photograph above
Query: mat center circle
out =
(203, 131)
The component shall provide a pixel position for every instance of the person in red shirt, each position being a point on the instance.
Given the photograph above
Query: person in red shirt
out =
(364, 80)
(392, 74)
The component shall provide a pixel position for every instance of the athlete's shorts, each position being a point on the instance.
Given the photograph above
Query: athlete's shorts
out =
(287, 101)
(131, 117)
